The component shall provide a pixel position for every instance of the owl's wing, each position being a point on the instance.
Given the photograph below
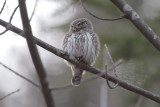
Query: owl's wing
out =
(96, 42)
(66, 42)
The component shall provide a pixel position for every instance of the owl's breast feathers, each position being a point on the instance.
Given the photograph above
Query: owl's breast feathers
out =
(84, 45)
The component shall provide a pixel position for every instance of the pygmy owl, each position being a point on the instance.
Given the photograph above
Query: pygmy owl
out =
(82, 44)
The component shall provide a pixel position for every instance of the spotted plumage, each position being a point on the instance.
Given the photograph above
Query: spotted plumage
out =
(82, 44)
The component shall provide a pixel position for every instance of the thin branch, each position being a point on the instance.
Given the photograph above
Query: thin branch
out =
(134, 17)
(112, 62)
(28, 80)
(105, 19)
(3, 7)
(14, 11)
(106, 77)
(87, 79)
(139, 101)
(10, 20)
(110, 58)
(9, 94)
(35, 55)
(35, 5)
(3, 32)
(90, 69)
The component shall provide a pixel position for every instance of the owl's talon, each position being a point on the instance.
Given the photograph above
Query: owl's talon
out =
(73, 58)
(64, 53)
(81, 60)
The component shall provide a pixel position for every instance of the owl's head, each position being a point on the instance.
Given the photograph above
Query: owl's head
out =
(81, 24)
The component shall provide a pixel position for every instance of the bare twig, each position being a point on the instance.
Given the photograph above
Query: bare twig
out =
(105, 19)
(106, 76)
(4, 31)
(14, 11)
(110, 58)
(112, 62)
(58, 88)
(9, 94)
(10, 20)
(90, 69)
(3, 6)
(35, 5)
(139, 101)
(35, 55)
(28, 80)
(133, 16)
(87, 79)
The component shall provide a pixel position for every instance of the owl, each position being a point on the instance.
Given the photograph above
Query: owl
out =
(82, 44)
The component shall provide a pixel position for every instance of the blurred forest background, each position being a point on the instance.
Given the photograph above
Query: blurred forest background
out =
(50, 22)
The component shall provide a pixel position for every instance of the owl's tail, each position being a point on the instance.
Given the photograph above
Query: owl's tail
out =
(76, 75)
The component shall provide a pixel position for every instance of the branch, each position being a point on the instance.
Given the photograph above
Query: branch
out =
(139, 101)
(3, 32)
(35, 6)
(110, 58)
(89, 78)
(133, 16)
(35, 56)
(9, 94)
(3, 7)
(106, 19)
(10, 20)
(90, 69)
(28, 80)
(112, 62)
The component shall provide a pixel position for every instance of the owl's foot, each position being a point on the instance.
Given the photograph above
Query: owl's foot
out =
(81, 60)
(64, 53)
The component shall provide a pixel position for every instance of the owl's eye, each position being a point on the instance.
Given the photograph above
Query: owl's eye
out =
(79, 24)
